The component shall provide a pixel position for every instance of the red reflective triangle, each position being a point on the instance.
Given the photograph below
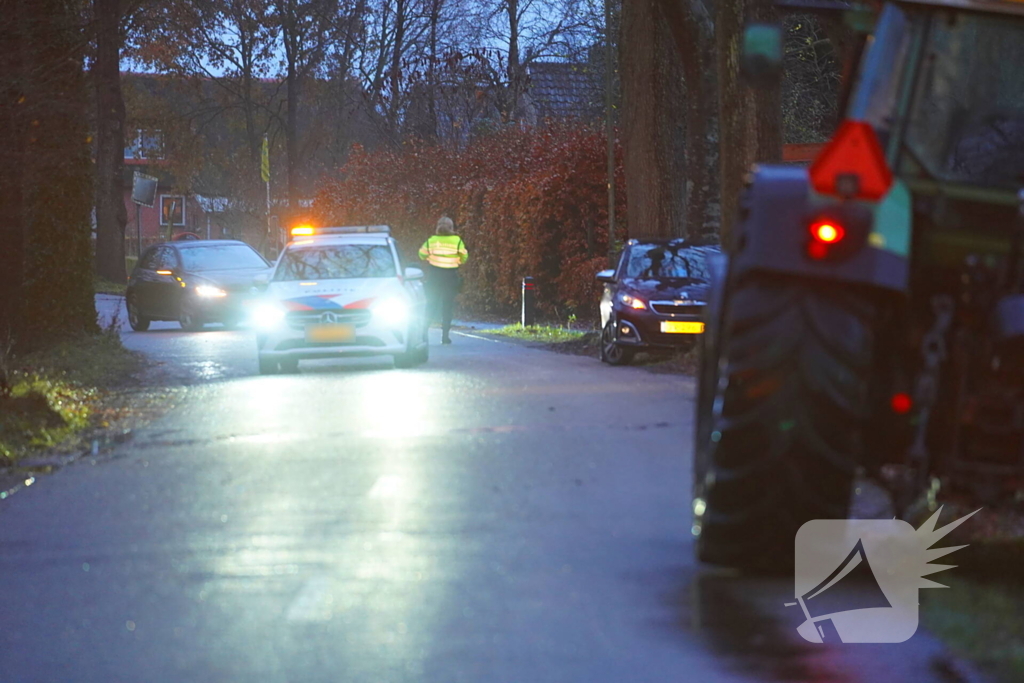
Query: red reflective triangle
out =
(854, 149)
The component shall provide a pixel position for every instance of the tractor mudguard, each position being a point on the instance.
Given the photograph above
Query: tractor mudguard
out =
(776, 213)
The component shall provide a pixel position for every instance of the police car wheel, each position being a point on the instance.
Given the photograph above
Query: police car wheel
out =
(611, 352)
(784, 421)
(406, 360)
(289, 366)
(267, 366)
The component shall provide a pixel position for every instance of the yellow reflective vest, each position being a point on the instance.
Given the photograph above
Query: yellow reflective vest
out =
(444, 251)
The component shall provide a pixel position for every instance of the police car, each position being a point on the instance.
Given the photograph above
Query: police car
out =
(340, 292)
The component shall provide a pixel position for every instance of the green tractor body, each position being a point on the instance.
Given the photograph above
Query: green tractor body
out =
(868, 317)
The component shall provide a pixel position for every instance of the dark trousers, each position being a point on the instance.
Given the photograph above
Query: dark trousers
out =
(442, 286)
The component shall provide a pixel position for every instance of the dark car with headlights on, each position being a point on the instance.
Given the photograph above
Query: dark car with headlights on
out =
(654, 299)
(194, 282)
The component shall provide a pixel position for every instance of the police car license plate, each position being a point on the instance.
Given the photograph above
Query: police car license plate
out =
(681, 327)
(323, 334)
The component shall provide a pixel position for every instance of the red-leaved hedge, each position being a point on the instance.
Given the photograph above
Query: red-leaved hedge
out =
(526, 201)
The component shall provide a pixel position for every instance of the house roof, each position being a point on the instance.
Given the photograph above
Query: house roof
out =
(566, 90)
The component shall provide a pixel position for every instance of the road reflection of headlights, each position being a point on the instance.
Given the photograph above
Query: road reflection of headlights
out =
(210, 292)
(392, 311)
(267, 316)
(632, 301)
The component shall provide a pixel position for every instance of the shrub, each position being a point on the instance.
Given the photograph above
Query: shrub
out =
(527, 201)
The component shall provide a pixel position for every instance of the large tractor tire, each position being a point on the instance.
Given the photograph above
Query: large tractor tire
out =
(783, 404)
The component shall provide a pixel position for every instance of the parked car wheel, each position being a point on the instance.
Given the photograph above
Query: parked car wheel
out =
(611, 352)
(138, 322)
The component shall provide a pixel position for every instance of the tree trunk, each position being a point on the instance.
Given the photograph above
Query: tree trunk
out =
(111, 215)
(515, 75)
(13, 46)
(693, 34)
(749, 119)
(652, 122)
(292, 35)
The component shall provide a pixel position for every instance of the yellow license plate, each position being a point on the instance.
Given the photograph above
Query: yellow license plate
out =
(324, 334)
(681, 327)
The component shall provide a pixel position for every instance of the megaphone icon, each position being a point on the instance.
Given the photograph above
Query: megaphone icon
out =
(834, 594)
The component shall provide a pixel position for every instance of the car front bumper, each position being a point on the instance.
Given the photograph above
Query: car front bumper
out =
(289, 341)
(643, 328)
(219, 309)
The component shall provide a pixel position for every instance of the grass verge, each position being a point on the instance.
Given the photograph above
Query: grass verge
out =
(981, 615)
(102, 286)
(50, 396)
(538, 333)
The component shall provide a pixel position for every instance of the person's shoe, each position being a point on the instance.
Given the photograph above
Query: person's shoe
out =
(446, 339)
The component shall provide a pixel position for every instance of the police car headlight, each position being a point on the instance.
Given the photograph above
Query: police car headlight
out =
(392, 311)
(266, 316)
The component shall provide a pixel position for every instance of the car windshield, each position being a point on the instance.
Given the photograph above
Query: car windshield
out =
(967, 121)
(336, 262)
(672, 260)
(220, 257)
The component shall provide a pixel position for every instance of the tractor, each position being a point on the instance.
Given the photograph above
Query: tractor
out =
(867, 318)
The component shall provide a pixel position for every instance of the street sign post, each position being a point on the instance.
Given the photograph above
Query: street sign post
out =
(144, 189)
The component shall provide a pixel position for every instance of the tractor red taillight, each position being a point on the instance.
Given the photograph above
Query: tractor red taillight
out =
(852, 165)
(826, 234)
(901, 403)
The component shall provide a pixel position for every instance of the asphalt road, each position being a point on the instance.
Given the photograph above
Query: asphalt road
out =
(501, 514)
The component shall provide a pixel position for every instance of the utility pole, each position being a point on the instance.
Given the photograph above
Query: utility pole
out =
(609, 127)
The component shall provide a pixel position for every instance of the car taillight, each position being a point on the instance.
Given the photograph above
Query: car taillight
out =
(852, 165)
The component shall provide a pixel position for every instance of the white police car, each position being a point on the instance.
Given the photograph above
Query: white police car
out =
(340, 292)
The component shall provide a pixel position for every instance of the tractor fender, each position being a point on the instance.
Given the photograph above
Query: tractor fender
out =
(772, 235)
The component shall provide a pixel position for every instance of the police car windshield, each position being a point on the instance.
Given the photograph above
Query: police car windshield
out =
(220, 257)
(336, 262)
(655, 261)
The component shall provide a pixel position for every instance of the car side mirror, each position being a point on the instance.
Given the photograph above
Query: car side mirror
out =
(607, 276)
(413, 273)
(761, 54)
(261, 281)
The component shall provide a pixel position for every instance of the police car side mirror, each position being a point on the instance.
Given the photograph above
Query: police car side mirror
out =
(413, 273)
(261, 281)
(607, 276)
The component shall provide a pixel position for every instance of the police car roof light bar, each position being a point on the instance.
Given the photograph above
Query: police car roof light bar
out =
(351, 229)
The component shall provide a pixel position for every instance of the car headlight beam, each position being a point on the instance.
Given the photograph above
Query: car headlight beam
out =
(210, 292)
(392, 311)
(267, 316)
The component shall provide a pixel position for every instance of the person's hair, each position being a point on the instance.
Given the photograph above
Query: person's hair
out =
(445, 226)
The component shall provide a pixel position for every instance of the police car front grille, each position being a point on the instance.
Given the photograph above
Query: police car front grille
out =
(297, 320)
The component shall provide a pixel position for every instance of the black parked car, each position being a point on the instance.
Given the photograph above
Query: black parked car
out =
(193, 282)
(654, 299)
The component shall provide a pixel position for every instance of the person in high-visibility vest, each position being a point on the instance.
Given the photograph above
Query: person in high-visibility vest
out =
(444, 253)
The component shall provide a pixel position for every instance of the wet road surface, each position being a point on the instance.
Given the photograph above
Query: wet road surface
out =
(499, 514)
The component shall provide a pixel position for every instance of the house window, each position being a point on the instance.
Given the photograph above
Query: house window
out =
(144, 143)
(172, 210)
